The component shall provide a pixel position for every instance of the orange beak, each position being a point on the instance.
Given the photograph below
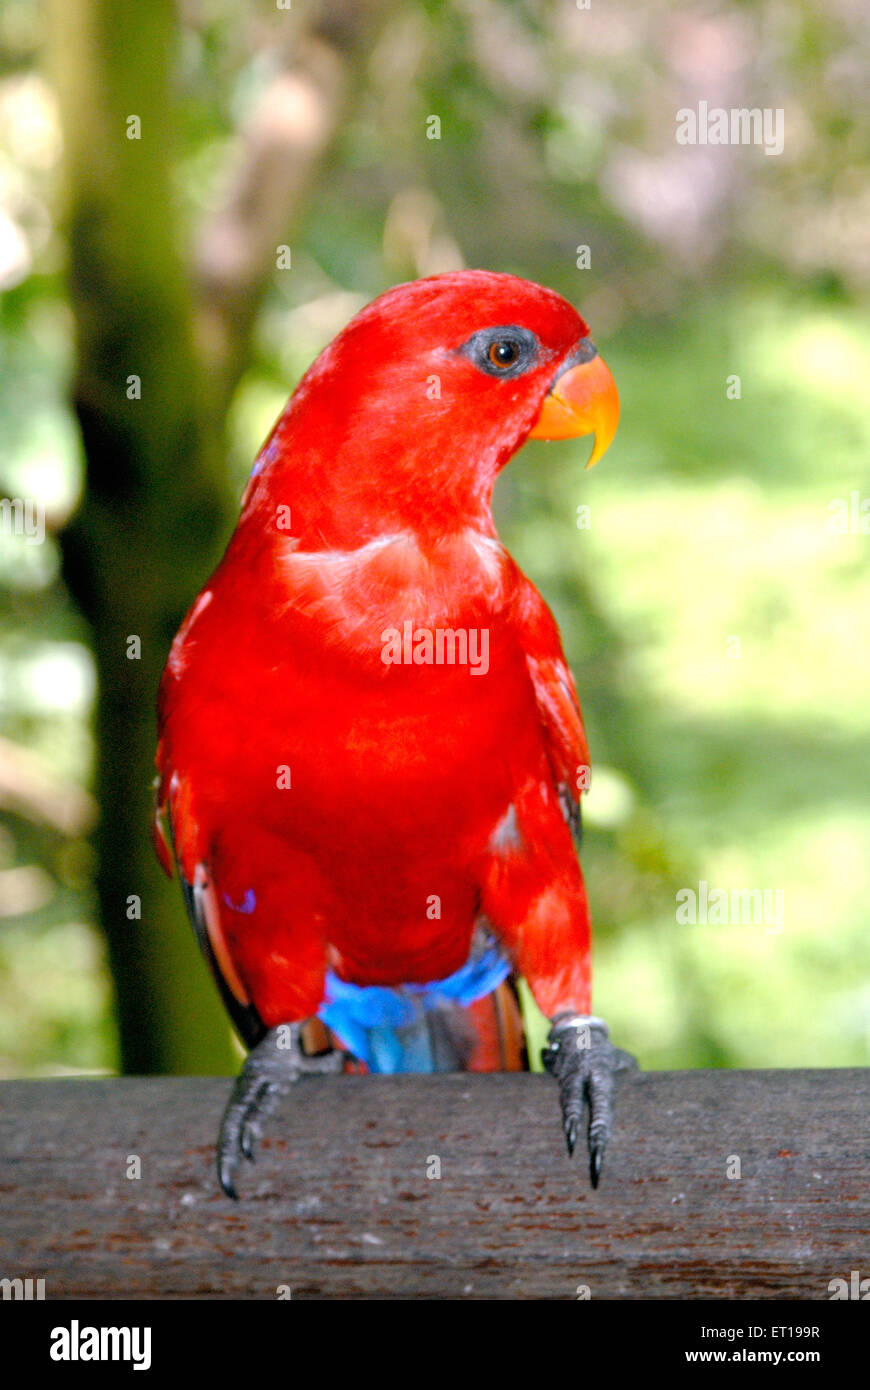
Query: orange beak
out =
(583, 400)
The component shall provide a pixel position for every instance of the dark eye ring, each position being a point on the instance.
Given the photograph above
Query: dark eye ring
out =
(504, 352)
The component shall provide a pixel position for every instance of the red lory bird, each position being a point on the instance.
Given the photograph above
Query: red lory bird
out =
(371, 750)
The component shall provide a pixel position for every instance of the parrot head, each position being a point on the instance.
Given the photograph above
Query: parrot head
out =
(425, 395)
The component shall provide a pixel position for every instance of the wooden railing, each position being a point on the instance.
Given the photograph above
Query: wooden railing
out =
(346, 1200)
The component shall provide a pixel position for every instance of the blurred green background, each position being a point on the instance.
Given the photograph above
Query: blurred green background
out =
(713, 599)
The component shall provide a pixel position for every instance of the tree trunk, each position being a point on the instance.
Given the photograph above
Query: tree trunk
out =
(157, 506)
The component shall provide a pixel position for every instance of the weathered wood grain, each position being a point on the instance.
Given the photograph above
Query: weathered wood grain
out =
(340, 1205)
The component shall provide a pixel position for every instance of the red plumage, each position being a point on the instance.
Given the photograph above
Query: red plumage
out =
(369, 508)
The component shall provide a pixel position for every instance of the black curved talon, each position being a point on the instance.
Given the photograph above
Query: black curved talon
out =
(585, 1063)
(271, 1068)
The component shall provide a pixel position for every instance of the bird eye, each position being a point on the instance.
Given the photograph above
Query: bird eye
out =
(502, 350)
(503, 353)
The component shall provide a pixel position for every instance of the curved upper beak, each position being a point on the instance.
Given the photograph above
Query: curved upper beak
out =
(582, 400)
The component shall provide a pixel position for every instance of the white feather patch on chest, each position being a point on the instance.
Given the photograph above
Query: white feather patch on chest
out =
(395, 579)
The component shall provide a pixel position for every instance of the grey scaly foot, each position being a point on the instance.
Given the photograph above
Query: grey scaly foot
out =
(271, 1069)
(585, 1063)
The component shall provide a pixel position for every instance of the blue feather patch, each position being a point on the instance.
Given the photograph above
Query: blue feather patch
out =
(387, 1028)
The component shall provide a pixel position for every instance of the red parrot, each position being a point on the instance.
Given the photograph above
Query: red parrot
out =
(370, 745)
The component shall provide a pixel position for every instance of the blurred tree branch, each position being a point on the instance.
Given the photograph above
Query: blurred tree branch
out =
(282, 146)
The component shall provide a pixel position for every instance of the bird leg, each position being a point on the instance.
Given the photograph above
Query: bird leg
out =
(271, 1069)
(585, 1063)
